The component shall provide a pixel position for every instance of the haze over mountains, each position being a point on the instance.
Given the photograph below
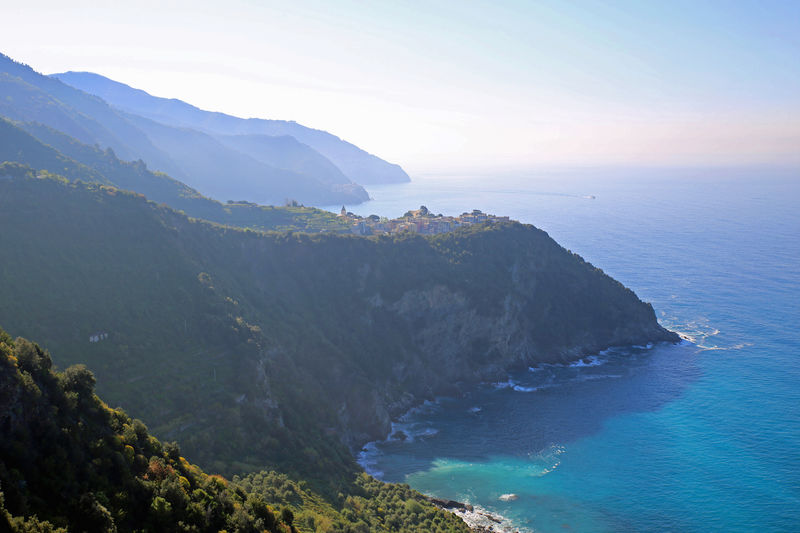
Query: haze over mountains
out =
(357, 164)
(47, 149)
(223, 157)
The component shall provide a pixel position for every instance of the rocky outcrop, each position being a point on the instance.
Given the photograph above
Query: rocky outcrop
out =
(454, 346)
(478, 520)
(514, 298)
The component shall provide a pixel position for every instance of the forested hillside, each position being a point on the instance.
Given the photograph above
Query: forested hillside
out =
(69, 462)
(278, 349)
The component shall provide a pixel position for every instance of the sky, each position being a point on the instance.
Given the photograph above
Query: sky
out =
(438, 85)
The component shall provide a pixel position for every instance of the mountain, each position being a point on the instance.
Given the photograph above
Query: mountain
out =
(70, 462)
(360, 166)
(44, 148)
(218, 171)
(27, 96)
(285, 152)
(191, 156)
(247, 347)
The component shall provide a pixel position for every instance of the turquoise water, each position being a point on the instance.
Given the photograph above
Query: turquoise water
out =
(702, 436)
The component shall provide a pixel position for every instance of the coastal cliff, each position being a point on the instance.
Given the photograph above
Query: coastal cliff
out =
(447, 312)
(246, 346)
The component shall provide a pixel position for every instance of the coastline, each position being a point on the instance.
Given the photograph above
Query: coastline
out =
(410, 404)
(650, 251)
(478, 519)
(401, 407)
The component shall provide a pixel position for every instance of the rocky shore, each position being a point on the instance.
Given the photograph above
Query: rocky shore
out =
(479, 520)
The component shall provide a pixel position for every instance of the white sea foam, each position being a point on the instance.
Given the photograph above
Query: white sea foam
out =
(483, 520)
(593, 377)
(425, 433)
(409, 432)
(368, 459)
(426, 406)
(547, 459)
(715, 347)
(592, 360)
(520, 388)
(475, 410)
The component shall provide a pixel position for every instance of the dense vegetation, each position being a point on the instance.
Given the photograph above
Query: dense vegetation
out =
(275, 349)
(179, 351)
(68, 460)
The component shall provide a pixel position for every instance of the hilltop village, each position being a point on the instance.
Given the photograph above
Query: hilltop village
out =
(418, 221)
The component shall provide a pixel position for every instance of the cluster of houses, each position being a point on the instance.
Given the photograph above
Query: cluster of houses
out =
(418, 221)
(97, 337)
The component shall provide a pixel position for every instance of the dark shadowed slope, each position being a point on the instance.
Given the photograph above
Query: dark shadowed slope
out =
(358, 165)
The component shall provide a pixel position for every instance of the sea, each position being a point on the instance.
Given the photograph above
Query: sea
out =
(699, 436)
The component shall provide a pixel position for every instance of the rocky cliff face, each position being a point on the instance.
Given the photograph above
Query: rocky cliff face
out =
(418, 318)
(454, 346)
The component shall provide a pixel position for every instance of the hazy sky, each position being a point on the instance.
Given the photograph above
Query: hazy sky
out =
(439, 84)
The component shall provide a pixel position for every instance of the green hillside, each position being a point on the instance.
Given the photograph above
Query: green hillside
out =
(42, 147)
(17, 146)
(288, 350)
(69, 462)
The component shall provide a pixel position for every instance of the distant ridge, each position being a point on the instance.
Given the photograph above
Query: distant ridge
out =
(215, 168)
(27, 96)
(358, 165)
(43, 148)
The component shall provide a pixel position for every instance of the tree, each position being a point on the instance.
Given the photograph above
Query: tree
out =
(79, 379)
(287, 516)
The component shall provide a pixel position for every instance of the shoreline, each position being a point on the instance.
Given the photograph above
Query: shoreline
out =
(418, 403)
(402, 407)
(478, 519)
